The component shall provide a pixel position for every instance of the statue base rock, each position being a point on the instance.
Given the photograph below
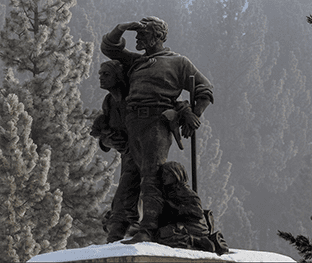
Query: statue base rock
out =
(153, 252)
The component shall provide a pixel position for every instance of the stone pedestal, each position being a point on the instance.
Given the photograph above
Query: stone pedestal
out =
(153, 252)
(147, 259)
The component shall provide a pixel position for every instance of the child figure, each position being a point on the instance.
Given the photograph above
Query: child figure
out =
(183, 223)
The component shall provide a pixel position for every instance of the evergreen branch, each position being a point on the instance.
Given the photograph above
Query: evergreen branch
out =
(43, 22)
(20, 34)
(27, 68)
(50, 6)
(35, 70)
(304, 246)
(301, 243)
(16, 61)
(47, 55)
(287, 236)
(24, 202)
(2, 56)
(2, 93)
(308, 255)
(60, 7)
(70, 206)
(30, 18)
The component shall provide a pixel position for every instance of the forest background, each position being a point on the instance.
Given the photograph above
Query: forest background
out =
(254, 144)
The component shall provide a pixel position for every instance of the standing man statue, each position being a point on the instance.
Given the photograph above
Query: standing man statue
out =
(156, 79)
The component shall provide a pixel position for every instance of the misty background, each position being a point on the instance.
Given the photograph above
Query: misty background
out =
(255, 143)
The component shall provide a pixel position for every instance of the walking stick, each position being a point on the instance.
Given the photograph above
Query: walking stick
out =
(193, 137)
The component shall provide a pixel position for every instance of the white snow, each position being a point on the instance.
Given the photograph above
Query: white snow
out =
(118, 249)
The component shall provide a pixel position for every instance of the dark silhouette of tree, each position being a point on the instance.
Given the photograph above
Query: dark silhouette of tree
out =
(301, 243)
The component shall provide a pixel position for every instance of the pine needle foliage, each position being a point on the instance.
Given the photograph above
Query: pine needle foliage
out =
(309, 19)
(301, 243)
(44, 67)
(29, 210)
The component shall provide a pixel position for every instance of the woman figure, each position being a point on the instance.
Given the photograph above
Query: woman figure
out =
(110, 129)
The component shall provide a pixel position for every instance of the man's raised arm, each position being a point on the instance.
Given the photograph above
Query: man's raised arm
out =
(113, 44)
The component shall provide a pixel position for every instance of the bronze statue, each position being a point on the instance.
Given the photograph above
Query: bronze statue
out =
(111, 131)
(156, 79)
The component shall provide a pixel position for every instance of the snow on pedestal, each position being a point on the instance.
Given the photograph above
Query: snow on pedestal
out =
(118, 252)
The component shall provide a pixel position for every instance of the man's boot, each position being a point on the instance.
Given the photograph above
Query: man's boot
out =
(116, 231)
(219, 242)
(203, 243)
(141, 236)
(133, 229)
(149, 223)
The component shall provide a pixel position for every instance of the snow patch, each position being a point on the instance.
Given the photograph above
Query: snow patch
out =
(118, 249)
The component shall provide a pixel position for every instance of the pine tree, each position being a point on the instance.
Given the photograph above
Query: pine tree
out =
(36, 42)
(29, 210)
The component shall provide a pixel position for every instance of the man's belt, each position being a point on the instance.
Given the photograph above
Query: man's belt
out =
(145, 112)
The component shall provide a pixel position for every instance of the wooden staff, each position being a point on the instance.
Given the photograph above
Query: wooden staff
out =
(193, 137)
